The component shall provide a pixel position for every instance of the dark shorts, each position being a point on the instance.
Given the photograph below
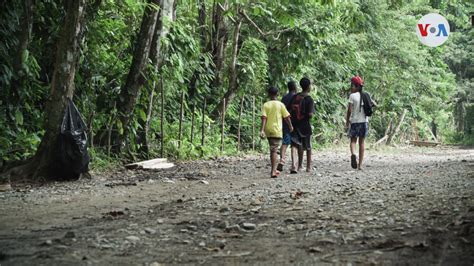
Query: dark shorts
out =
(359, 130)
(286, 138)
(274, 144)
(297, 141)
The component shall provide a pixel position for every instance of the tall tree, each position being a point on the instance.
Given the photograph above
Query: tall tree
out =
(166, 15)
(233, 86)
(218, 41)
(202, 40)
(24, 34)
(62, 89)
(130, 90)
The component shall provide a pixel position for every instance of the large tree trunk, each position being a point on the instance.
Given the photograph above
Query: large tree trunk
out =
(233, 86)
(62, 88)
(218, 41)
(166, 14)
(135, 79)
(202, 41)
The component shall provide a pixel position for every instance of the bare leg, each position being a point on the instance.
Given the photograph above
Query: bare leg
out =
(361, 151)
(283, 153)
(294, 152)
(273, 160)
(300, 157)
(353, 144)
(308, 161)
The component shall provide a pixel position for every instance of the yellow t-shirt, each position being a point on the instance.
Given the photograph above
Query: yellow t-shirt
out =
(274, 111)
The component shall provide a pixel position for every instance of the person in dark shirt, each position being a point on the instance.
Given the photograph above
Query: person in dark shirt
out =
(302, 110)
(286, 100)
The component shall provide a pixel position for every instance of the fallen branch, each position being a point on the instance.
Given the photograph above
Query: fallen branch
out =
(381, 140)
(397, 128)
(424, 143)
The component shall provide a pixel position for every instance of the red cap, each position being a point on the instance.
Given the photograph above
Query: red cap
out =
(357, 80)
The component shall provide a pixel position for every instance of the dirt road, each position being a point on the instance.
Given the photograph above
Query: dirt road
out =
(412, 206)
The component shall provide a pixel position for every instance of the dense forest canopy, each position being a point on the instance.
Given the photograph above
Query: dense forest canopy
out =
(221, 55)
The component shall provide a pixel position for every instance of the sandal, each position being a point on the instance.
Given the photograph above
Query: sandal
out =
(280, 167)
(354, 161)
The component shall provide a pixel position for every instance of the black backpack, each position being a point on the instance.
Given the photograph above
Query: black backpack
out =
(297, 107)
(368, 104)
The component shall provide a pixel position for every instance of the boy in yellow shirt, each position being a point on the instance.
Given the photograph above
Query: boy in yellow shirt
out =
(273, 113)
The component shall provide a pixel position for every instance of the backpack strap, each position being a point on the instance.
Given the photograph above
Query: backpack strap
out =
(302, 102)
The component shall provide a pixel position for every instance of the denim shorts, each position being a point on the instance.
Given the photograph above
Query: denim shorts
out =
(286, 138)
(359, 130)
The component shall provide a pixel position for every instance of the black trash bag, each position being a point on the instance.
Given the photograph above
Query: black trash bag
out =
(73, 158)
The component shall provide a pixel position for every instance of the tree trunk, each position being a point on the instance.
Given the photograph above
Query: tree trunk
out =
(222, 127)
(218, 42)
(193, 119)
(24, 37)
(161, 30)
(233, 86)
(397, 128)
(253, 123)
(239, 144)
(389, 127)
(202, 22)
(202, 41)
(135, 80)
(145, 145)
(166, 13)
(26, 25)
(162, 118)
(181, 118)
(62, 88)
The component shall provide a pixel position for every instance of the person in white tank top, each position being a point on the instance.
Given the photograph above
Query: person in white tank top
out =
(357, 122)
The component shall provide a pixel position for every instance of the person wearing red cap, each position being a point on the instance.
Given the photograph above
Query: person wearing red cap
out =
(357, 121)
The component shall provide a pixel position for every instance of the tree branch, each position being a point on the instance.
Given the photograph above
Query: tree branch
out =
(253, 23)
(225, 10)
(265, 34)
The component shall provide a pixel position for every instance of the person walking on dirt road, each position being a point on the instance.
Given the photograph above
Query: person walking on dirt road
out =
(273, 114)
(357, 121)
(286, 100)
(301, 110)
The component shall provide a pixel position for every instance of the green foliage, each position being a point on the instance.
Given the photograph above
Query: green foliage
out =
(101, 161)
(253, 66)
(327, 41)
(22, 92)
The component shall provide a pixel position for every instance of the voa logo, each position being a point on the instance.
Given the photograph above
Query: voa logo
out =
(432, 30)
